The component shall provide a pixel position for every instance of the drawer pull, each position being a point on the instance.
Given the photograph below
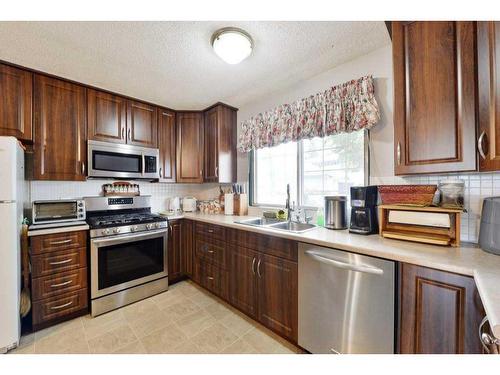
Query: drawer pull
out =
(210, 278)
(210, 230)
(60, 242)
(61, 284)
(210, 251)
(60, 262)
(62, 306)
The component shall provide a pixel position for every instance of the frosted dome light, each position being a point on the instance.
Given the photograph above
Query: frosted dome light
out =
(232, 45)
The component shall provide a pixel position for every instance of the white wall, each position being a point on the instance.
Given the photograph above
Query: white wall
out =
(379, 64)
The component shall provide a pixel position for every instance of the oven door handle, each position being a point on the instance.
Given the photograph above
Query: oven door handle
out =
(127, 237)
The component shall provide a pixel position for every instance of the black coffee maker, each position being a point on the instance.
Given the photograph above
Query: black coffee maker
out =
(364, 210)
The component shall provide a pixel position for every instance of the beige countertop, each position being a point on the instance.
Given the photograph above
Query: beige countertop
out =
(466, 260)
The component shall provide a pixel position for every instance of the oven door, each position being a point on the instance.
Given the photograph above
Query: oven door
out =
(121, 262)
(122, 161)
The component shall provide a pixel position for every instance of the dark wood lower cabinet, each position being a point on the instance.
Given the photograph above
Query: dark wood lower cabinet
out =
(187, 247)
(278, 295)
(243, 281)
(440, 312)
(174, 252)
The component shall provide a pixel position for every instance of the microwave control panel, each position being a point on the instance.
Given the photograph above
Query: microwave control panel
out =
(150, 164)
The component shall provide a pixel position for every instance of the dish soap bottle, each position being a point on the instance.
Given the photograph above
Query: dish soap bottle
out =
(320, 217)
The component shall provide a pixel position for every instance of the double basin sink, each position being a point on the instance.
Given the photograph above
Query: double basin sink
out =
(287, 226)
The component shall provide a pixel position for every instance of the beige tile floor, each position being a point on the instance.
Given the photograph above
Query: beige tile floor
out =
(185, 319)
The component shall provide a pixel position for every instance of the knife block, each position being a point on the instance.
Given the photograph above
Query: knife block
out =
(240, 202)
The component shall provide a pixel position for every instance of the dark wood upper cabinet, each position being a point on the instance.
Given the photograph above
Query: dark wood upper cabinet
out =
(174, 251)
(189, 147)
(59, 130)
(434, 97)
(142, 124)
(488, 70)
(440, 312)
(15, 102)
(166, 144)
(243, 280)
(278, 295)
(107, 116)
(220, 144)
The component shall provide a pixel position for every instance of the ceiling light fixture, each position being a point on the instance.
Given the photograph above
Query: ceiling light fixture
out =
(232, 45)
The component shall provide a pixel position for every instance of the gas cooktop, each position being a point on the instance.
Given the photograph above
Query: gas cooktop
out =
(107, 221)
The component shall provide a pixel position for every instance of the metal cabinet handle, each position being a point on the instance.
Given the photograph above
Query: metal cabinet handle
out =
(61, 262)
(123, 133)
(160, 172)
(216, 171)
(480, 144)
(210, 230)
(210, 278)
(210, 251)
(345, 266)
(83, 168)
(253, 266)
(61, 306)
(201, 172)
(258, 268)
(61, 284)
(60, 242)
(398, 152)
(129, 136)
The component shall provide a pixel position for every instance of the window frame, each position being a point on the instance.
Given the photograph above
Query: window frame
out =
(300, 165)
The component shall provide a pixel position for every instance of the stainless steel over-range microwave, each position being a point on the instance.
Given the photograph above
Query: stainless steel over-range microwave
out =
(122, 161)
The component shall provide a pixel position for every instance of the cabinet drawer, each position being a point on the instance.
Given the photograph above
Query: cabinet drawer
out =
(61, 261)
(271, 245)
(58, 241)
(211, 252)
(59, 306)
(50, 286)
(214, 279)
(209, 231)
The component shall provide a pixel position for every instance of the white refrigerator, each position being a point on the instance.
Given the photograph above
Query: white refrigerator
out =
(11, 216)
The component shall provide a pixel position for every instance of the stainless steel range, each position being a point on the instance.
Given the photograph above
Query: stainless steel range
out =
(128, 251)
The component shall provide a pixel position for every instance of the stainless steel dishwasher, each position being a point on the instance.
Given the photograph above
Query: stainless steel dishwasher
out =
(346, 302)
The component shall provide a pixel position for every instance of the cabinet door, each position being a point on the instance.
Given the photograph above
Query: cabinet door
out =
(434, 97)
(59, 130)
(174, 252)
(243, 280)
(190, 147)
(166, 144)
(15, 102)
(278, 295)
(211, 146)
(107, 116)
(488, 70)
(440, 312)
(142, 127)
(187, 247)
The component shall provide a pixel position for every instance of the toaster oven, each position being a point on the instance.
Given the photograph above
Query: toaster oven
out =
(58, 211)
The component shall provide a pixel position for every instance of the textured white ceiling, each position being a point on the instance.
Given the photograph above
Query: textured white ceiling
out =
(172, 63)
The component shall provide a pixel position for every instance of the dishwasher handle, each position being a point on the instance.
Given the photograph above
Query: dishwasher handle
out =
(346, 266)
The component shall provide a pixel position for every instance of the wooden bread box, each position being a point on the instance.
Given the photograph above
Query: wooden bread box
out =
(432, 225)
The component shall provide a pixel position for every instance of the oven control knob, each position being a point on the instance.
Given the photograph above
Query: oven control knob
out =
(133, 228)
(116, 230)
(149, 226)
(105, 232)
(158, 225)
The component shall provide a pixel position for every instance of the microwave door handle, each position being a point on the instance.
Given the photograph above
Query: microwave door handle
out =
(345, 266)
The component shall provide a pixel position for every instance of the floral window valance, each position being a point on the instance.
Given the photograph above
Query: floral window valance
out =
(340, 109)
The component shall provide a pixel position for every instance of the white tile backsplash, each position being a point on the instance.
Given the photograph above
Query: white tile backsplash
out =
(477, 187)
(160, 192)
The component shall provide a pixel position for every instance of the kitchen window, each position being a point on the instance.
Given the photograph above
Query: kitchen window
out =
(314, 168)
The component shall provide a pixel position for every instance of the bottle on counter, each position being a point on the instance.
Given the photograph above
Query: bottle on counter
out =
(320, 217)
